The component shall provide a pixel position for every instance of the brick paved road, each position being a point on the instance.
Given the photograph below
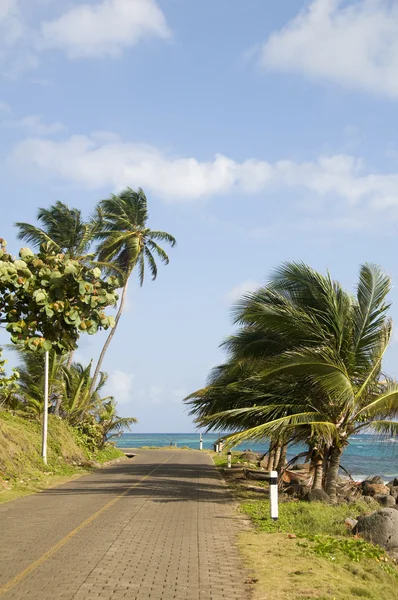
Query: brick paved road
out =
(160, 526)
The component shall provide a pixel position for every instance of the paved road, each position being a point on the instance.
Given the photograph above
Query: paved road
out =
(160, 526)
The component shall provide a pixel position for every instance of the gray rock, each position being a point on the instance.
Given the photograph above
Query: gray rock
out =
(375, 479)
(350, 523)
(394, 491)
(384, 500)
(369, 500)
(372, 489)
(380, 528)
(317, 496)
(248, 456)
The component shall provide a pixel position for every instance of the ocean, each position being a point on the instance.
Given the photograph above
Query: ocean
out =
(365, 456)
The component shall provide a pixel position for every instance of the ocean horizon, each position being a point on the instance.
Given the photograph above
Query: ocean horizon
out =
(366, 455)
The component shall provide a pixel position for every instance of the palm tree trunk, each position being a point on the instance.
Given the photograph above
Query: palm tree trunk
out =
(70, 359)
(277, 456)
(318, 474)
(334, 464)
(282, 459)
(109, 338)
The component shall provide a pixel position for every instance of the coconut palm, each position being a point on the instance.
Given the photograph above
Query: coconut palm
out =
(126, 242)
(63, 227)
(317, 353)
(111, 424)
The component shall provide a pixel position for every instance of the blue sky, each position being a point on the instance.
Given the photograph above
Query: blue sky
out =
(261, 132)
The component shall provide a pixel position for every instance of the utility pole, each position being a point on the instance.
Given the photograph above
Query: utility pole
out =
(45, 411)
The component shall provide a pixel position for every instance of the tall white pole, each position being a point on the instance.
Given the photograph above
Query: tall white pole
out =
(45, 410)
(200, 443)
(273, 495)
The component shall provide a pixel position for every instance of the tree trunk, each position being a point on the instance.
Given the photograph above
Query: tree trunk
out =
(318, 474)
(70, 359)
(57, 405)
(277, 456)
(331, 480)
(109, 338)
(282, 459)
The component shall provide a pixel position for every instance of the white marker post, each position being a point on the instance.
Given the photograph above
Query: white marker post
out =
(45, 409)
(229, 459)
(200, 443)
(273, 495)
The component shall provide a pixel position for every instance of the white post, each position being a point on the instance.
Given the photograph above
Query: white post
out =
(217, 448)
(200, 443)
(229, 459)
(273, 494)
(45, 410)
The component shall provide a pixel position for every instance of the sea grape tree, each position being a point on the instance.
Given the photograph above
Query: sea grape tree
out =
(48, 299)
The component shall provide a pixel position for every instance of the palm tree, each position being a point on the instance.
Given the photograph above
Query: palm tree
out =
(315, 354)
(125, 242)
(63, 227)
(110, 423)
(80, 401)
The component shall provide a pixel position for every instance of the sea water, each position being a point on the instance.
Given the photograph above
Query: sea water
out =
(366, 454)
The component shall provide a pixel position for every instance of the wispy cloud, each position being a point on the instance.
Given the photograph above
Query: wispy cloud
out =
(108, 161)
(243, 288)
(105, 28)
(353, 44)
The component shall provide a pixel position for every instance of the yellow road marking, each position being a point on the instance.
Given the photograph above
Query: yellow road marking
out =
(13, 582)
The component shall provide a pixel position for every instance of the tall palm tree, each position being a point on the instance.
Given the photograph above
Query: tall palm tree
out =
(126, 242)
(316, 354)
(63, 227)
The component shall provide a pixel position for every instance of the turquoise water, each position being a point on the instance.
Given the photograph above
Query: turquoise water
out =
(366, 455)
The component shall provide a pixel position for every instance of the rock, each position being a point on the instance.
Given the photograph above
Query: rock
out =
(90, 464)
(255, 488)
(393, 483)
(394, 491)
(369, 500)
(386, 501)
(372, 489)
(380, 528)
(317, 496)
(248, 456)
(291, 536)
(375, 479)
(350, 523)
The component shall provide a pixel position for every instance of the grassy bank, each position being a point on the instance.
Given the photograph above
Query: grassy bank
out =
(21, 467)
(309, 554)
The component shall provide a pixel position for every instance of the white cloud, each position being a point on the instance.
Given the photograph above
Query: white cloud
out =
(16, 55)
(103, 161)
(34, 124)
(243, 288)
(120, 385)
(104, 28)
(352, 44)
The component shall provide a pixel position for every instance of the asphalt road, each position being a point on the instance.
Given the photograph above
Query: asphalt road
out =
(159, 526)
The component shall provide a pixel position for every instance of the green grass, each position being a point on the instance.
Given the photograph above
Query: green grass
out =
(304, 518)
(22, 470)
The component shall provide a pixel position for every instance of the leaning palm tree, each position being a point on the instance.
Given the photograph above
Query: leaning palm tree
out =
(63, 227)
(126, 242)
(318, 356)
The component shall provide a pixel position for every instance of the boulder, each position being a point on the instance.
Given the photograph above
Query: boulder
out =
(380, 528)
(370, 501)
(394, 491)
(386, 501)
(375, 479)
(350, 523)
(393, 483)
(371, 489)
(317, 496)
(249, 456)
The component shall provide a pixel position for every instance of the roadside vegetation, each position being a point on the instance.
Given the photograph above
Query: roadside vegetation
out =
(58, 289)
(310, 552)
(305, 366)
